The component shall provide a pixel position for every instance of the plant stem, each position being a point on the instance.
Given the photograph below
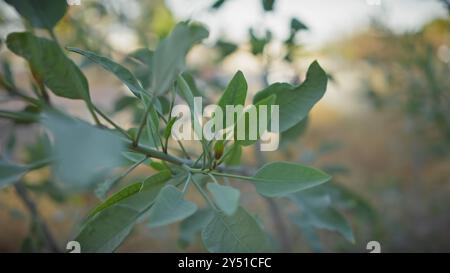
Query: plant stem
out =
(132, 167)
(213, 178)
(43, 92)
(19, 93)
(186, 154)
(142, 125)
(22, 192)
(204, 195)
(233, 176)
(122, 176)
(23, 117)
(45, 95)
(40, 85)
(91, 107)
(199, 158)
(144, 121)
(186, 184)
(157, 154)
(224, 156)
(110, 121)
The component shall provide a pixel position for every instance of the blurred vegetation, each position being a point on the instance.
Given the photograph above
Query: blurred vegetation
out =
(404, 75)
(405, 78)
(410, 73)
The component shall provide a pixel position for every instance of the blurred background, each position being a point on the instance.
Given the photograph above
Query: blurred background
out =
(382, 130)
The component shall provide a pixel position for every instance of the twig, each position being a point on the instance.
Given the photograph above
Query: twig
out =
(157, 154)
(22, 192)
(110, 121)
(142, 124)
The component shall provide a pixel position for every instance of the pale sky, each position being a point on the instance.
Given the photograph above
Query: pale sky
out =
(327, 19)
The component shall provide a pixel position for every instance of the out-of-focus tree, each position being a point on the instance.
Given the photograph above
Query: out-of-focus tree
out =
(156, 77)
(409, 72)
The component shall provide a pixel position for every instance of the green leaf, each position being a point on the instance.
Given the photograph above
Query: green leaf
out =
(259, 43)
(101, 191)
(226, 198)
(168, 58)
(234, 156)
(318, 212)
(107, 229)
(225, 48)
(48, 61)
(268, 4)
(297, 25)
(20, 117)
(218, 149)
(147, 140)
(133, 157)
(218, 3)
(141, 62)
(296, 102)
(267, 102)
(74, 142)
(235, 93)
(185, 92)
(42, 13)
(234, 234)
(191, 83)
(144, 55)
(10, 173)
(193, 225)
(7, 79)
(118, 70)
(120, 195)
(170, 207)
(158, 166)
(169, 126)
(152, 127)
(165, 104)
(281, 178)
